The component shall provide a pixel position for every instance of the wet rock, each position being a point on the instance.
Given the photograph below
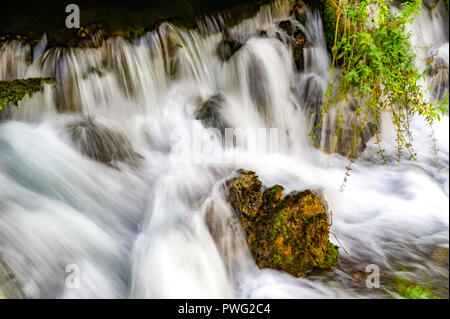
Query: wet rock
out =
(438, 70)
(5, 114)
(431, 4)
(298, 51)
(227, 48)
(136, 31)
(288, 233)
(297, 41)
(287, 26)
(102, 144)
(342, 143)
(209, 112)
(345, 140)
(10, 288)
(299, 11)
(311, 94)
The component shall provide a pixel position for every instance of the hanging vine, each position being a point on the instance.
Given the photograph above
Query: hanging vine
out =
(372, 60)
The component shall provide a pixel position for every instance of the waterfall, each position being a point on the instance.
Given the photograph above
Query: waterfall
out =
(141, 221)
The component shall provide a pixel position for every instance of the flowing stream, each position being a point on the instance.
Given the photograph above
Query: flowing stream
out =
(155, 223)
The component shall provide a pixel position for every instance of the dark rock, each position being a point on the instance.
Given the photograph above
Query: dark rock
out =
(288, 233)
(102, 143)
(227, 48)
(297, 41)
(209, 112)
(286, 25)
(298, 50)
(299, 11)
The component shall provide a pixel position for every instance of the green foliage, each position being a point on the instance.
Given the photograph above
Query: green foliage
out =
(15, 90)
(328, 13)
(377, 67)
(408, 290)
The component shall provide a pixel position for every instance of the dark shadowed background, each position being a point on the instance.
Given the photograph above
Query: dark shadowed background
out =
(44, 15)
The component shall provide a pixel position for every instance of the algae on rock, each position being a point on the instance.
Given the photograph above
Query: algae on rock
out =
(289, 233)
(15, 90)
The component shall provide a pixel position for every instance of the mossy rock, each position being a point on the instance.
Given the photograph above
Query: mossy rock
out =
(289, 233)
(15, 90)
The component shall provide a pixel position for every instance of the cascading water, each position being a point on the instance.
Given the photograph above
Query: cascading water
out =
(143, 222)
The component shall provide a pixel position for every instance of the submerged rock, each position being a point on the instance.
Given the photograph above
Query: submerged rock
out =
(438, 70)
(9, 286)
(312, 91)
(102, 143)
(288, 233)
(209, 112)
(342, 143)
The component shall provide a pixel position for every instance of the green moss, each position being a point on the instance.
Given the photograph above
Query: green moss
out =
(328, 15)
(288, 233)
(408, 290)
(418, 292)
(15, 90)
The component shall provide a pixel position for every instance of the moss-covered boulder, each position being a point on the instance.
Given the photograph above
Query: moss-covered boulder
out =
(289, 233)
